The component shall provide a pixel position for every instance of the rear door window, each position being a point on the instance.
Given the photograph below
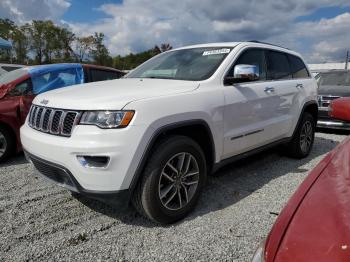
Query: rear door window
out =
(278, 66)
(298, 67)
(102, 75)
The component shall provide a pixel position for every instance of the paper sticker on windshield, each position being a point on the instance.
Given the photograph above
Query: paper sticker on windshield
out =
(217, 52)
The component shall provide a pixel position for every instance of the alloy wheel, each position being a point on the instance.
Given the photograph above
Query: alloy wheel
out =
(3, 144)
(306, 136)
(178, 181)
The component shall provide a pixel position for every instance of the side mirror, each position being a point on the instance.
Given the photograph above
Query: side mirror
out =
(340, 109)
(243, 73)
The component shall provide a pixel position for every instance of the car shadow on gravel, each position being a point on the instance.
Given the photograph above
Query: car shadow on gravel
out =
(230, 184)
(18, 159)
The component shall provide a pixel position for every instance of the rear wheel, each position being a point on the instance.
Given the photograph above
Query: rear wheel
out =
(303, 139)
(7, 144)
(172, 180)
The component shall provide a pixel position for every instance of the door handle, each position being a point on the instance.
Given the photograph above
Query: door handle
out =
(299, 86)
(269, 89)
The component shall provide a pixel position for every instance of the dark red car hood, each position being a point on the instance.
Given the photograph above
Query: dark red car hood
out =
(320, 227)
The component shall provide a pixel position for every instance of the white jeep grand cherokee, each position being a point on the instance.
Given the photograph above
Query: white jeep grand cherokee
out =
(152, 137)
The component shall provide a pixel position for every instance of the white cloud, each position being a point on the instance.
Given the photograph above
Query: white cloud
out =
(25, 10)
(136, 25)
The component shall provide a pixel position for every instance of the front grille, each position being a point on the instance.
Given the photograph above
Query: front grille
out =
(53, 121)
(325, 100)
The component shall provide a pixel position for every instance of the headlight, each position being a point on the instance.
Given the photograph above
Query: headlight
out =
(107, 119)
(259, 253)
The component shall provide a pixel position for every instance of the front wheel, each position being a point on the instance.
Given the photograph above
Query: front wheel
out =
(7, 144)
(172, 180)
(303, 139)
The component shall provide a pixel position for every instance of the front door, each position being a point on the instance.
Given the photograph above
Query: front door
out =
(250, 108)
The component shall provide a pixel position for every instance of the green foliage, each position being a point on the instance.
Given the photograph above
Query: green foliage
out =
(44, 42)
(133, 60)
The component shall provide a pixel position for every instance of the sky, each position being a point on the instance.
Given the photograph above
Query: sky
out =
(318, 29)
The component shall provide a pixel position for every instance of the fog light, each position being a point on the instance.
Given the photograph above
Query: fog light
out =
(93, 161)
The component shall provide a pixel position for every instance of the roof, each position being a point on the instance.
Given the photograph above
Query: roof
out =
(4, 44)
(245, 43)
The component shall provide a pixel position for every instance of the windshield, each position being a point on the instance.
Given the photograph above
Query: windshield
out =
(13, 75)
(187, 64)
(334, 79)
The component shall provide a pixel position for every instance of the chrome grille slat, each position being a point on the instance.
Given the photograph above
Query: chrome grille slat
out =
(53, 121)
(38, 118)
(325, 100)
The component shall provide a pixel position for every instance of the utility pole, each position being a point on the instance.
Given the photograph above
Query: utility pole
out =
(347, 59)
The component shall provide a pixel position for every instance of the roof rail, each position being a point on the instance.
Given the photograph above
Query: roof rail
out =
(259, 42)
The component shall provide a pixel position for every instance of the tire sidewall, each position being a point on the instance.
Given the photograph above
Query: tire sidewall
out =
(306, 117)
(163, 155)
(10, 146)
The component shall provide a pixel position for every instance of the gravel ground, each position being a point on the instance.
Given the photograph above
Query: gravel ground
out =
(43, 222)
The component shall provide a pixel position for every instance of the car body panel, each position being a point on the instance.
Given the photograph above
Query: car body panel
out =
(97, 95)
(314, 225)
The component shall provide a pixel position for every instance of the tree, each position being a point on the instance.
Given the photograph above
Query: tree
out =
(6, 29)
(37, 33)
(20, 45)
(131, 60)
(165, 47)
(15, 34)
(100, 53)
(66, 39)
(83, 47)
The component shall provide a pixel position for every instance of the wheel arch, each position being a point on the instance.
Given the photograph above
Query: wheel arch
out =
(197, 129)
(310, 107)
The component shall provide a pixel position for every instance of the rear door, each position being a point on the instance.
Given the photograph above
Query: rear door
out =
(289, 91)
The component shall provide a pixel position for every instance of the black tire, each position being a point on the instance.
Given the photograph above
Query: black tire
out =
(147, 196)
(8, 145)
(294, 147)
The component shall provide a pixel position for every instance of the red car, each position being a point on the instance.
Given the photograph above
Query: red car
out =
(315, 223)
(19, 87)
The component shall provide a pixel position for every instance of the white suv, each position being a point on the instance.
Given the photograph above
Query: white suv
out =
(153, 136)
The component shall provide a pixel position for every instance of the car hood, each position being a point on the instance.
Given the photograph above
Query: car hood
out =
(113, 94)
(320, 228)
(334, 90)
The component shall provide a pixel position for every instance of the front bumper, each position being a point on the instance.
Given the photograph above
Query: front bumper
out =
(333, 124)
(123, 148)
(325, 121)
(63, 177)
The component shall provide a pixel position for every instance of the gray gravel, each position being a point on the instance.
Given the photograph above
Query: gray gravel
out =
(43, 222)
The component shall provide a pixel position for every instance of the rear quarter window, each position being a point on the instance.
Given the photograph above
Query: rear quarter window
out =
(298, 67)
